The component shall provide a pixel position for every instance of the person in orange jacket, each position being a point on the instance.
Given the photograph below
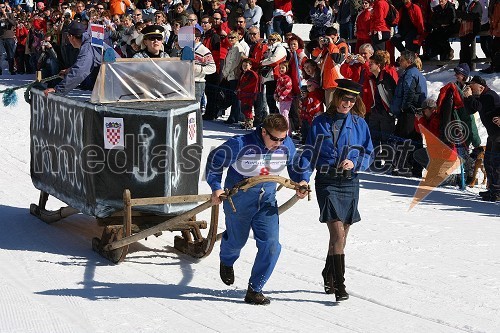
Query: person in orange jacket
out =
(332, 50)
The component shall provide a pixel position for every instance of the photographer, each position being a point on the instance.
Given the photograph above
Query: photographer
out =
(7, 37)
(331, 51)
(356, 67)
(47, 62)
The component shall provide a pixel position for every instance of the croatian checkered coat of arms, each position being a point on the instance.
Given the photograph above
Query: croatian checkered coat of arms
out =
(113, 133)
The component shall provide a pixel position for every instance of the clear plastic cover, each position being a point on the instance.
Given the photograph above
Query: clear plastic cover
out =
(136, 80)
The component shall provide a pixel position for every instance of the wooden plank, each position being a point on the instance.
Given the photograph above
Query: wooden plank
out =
(170, 200)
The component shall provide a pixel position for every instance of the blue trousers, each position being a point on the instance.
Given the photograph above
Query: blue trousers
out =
(257, 210)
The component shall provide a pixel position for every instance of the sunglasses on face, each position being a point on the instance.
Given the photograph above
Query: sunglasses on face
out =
(273, 138)
(252, 34)
(205, 22)
(154, 38)
(272, 39)
(231, 37)
(241, 21)
(347, 98)
(137, 14)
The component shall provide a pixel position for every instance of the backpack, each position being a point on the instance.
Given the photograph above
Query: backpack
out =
(392, 18)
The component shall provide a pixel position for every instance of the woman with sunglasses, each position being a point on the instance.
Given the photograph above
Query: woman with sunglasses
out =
(152, 43)
(265, 151)
(231, 73)
(340, 146)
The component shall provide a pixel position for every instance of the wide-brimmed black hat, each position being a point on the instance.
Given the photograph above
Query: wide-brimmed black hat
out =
(349, 85)
(152, 31)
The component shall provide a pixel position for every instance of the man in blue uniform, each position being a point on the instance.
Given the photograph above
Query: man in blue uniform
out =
(84, 71)
(265, 151)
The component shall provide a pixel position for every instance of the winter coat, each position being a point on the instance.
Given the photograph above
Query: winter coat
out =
(256, 54)
(470, 15)
(248, 87)
(382, 89)
(488, 106)
(284, 88)
(360, 73)
(380, 9)
(118, 7)
(443, 18)
(432, 124)
(410, 92)
(328, 57)
(354, 143)
(313, 105)
(212, 41)
(204, 63)
(84, 70)
(416, 19)
(231, 69)
(246, 156)
(274, 55)
(362, 28)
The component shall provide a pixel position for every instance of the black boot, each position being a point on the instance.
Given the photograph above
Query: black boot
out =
(328, 278)
(257, 298)
(339, 269)
(226, 274)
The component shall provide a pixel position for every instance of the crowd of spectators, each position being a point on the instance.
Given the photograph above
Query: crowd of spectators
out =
(260, 64)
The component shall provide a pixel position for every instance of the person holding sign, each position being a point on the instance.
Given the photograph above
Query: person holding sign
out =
(88, 61)
(266, 151)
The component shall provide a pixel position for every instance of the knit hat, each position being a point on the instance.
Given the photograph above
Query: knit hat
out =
(463, 69)
(479, 80)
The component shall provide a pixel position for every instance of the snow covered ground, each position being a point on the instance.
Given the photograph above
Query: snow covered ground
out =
(434, 268)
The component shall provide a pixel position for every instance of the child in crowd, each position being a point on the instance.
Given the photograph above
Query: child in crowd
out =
(283, 92)
(313, 106)
(248, 87)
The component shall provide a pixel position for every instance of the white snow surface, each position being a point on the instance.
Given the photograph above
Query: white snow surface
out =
(435, 268)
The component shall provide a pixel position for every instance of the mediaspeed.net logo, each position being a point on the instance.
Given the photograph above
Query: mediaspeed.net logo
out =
(443, 160)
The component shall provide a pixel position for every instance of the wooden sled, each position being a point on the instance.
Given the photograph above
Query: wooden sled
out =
(129, 226)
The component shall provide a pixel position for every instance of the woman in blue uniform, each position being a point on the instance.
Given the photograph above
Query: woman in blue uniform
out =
(342, 146)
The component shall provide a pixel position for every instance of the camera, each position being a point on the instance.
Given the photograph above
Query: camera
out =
(324, 40)
(354, 56)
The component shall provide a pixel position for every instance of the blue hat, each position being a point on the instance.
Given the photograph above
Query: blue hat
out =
(76, 28)
(463, 69)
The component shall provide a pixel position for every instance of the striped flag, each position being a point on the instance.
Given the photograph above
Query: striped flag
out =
(97, 31)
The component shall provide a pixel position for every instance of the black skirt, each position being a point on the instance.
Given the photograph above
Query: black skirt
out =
(338, 198)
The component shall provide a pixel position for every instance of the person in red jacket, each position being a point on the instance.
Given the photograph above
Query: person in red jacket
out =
(362, 27)
(255, 55)
(312, 105)
(410, 28)
(357, 68)
(380, 32)
(248, 88)
(283, 92)
(429, 117)
(21, 61)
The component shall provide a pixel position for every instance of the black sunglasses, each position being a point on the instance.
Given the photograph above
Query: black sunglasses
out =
(252, 33)
(275, 139)
(152, 38)
(349, 99)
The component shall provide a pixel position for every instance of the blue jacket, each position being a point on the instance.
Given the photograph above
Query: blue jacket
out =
(85, 68)
(354, 143)
(247, 156)
(410, 92)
